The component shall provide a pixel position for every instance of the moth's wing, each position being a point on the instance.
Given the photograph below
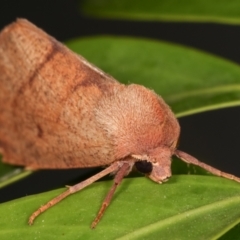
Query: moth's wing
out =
(47, 100)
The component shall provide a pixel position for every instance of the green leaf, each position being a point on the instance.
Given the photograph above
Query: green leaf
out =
(219, 11)
(4, 168)
(10, 174)
(186, 207)
(190, 81)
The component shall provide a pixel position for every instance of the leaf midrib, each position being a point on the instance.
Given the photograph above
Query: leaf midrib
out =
(206, 91)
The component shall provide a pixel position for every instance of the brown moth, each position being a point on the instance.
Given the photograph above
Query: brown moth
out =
(58, 111)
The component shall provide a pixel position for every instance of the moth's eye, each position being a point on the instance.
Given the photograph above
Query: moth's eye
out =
(144, 166)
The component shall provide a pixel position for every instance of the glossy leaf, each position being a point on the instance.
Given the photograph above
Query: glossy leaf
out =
(190, 81)
(218, 11)
(186, 207)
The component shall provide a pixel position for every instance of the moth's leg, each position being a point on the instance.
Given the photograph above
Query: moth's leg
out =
(123, 171)
(192, 160)
(72, 189)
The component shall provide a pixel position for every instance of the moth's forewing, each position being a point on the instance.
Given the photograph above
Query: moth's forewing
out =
(47, 100)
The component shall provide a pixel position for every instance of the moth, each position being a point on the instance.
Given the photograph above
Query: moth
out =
(58, 111)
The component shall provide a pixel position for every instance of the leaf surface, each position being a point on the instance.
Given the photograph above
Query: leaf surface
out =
(186, 207)
(218, 11)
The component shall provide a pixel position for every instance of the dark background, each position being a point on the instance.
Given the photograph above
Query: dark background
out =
(213, 137)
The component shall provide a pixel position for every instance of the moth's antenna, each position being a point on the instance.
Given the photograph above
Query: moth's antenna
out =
(192, 160)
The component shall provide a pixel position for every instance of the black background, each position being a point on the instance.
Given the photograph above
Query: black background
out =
(213, 137)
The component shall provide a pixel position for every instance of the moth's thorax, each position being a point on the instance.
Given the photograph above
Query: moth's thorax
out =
(137, 120)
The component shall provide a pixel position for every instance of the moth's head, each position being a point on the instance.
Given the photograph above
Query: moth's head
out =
(155, 165)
